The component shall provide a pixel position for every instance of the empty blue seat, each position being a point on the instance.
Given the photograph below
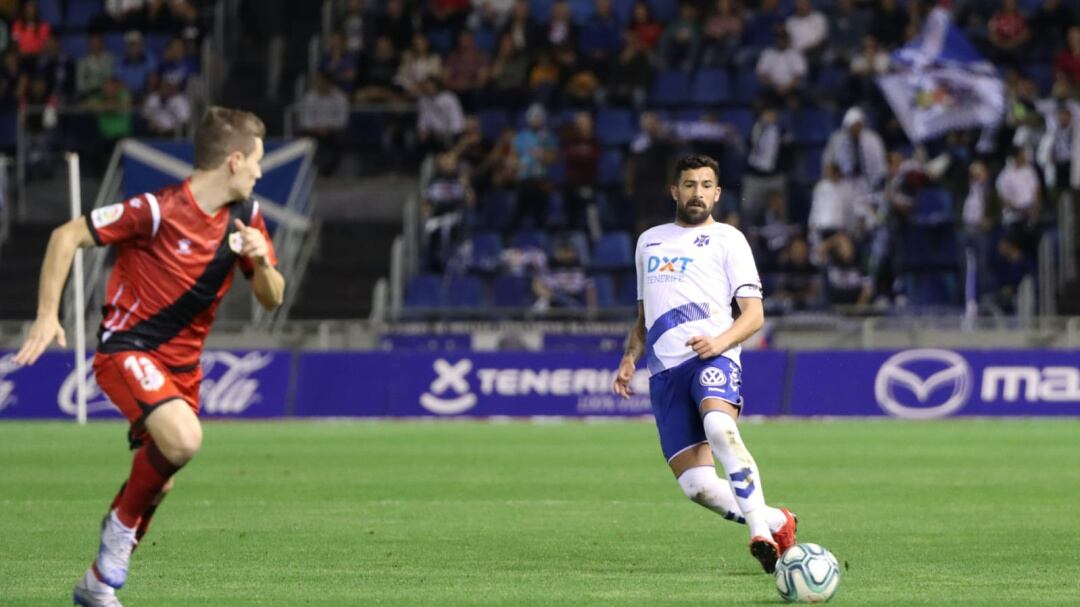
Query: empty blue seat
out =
(746, 86)
(671, 87)
(613, 251)
(366, 128)
(465, 292)
(75, 45)
(933, 206)
(51, 12)
(627, 294)
(509, 291)
(611, 167)
(710, 87)
(81, 12)
(497, 210)
(664, 10)
(808, 170)
(486, 251)
(615, 126)
(831, 79)
(531, 239)
(741, 119)
(492, 123)
(605, 290)
(424, 291)
(813, 126)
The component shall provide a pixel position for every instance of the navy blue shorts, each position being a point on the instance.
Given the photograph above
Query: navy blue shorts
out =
(676, 396)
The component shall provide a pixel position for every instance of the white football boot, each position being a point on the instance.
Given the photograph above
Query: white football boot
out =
(90, 592)
(114, 553)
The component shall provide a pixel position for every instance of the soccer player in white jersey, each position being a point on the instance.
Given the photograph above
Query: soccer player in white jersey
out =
(688, 272)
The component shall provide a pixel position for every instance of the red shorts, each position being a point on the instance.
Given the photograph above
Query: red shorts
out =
(136, 382)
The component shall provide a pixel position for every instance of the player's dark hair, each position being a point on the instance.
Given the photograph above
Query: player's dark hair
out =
(695, 161)
(221, 132)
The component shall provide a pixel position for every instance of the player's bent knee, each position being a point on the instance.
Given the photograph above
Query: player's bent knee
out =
(176, 431)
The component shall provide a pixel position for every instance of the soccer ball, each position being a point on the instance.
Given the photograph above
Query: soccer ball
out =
(807, 573)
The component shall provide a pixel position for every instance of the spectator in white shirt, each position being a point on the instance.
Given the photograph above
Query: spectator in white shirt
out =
(831, 208)
(975, 238)
(324, 116)
(781, 69)
(858, 151)
(1018, 188)
(167, 110)
(439, 116)
(808, 29)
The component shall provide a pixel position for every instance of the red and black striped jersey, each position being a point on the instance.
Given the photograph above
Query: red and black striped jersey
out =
(173, 265)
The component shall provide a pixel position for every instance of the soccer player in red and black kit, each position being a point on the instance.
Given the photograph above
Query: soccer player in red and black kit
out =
(176, 253)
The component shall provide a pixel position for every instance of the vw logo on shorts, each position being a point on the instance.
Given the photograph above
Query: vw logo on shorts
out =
(923, 384)
(712, 376)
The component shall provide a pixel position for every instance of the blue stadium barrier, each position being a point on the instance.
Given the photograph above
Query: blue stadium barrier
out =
(531, 239)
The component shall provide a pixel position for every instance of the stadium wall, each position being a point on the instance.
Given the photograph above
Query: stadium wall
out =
(271, 383)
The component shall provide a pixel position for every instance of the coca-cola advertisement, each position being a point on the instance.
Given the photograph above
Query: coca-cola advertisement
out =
(236, 383)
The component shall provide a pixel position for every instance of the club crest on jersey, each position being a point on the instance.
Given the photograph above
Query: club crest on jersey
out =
(713, 377)
(183, 247)
(702, 240)
(107, 215)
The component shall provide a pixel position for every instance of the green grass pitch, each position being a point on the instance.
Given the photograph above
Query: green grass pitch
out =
(468, 513)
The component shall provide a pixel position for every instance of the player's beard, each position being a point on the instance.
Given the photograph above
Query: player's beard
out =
(692, 214)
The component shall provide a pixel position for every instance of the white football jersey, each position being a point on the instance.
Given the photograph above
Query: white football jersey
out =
(686, 279)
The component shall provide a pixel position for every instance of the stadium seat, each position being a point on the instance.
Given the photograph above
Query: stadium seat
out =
(1043, 75)
(927, 289)
(808, 168)
(671, 87)
(424, 291)
(611, 167)
(581, 10)
(933, 207)
(486, 251)
(509, 291)
(531, 238)
(497, 210)
(613, 251)
(52, 12)
(745, 88)
(8, 130)
(74, 45)
(831, 80)
(813, 126)
(493, 123)
(627, 294)
(366, 129)
(664, 10)
(741, 119)
(557, 171)
(605, 290)
(465, 292)
(623, 9)
(541, 10)
(80, 13)
(615, 126)
(710, 87)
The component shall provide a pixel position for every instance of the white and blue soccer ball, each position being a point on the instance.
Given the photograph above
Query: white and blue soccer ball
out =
(807, 573)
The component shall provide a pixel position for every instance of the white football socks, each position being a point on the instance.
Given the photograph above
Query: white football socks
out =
(703, 486)
(728, 448)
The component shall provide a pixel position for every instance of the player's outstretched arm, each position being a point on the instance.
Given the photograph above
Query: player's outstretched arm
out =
(750, 320)
(54, 272)
(635, 349)
(267, 283)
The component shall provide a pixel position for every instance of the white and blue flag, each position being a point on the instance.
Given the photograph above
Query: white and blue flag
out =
(940, 83)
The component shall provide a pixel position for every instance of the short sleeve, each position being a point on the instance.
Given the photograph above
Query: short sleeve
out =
(247, 266)
(136, 220)
(739, 266)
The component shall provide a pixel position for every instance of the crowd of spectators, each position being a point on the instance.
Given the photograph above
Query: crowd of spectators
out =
(126, 62)
(558, 120)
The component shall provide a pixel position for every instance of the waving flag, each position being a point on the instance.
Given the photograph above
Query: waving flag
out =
(940, 83)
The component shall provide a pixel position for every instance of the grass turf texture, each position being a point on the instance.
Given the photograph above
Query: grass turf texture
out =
(298, 513)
